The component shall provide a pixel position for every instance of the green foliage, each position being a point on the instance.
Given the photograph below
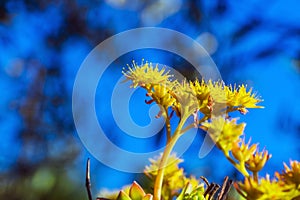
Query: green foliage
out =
(135, 192)
(190, 193)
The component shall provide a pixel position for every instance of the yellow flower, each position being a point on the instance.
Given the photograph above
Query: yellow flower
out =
(241, 99)
(291, 175)
(202, 93)
(220, 98)
(174, 178)
(257, 161)
(211, 97)
(265, 189)
(162, 96)
(146, 75)
(224, 132)
(218, 92)
(242, 152)
(170, 168)
(186, 100)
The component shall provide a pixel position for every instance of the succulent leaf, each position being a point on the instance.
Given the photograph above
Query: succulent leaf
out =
(136, 192)
(148, 197)
(123, 196)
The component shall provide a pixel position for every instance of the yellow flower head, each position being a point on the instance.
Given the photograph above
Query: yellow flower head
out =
(170, 168)
(241, 98)
(265, 189)
(187, 102)
(224, 132)
(291, 175)
(202, 93)
(146, 75)
(217, 91)
(258, 160)
(242, 152)
(162, 96)
(174, 178)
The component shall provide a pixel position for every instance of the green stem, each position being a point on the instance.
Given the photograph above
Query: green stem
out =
(168, 126)
(192, 125)
(255, 176)
(164, 160)
(187, 128)
(240, 167)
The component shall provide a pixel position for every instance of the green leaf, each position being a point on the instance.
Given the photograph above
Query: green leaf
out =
(123, 196)
(136, 192)
(186, 190)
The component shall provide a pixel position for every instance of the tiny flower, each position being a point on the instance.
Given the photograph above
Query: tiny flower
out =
(249, 189)
(202, 93)
(242, 152)
(162, 96)
(242, 99)
(170, 168)
(262, 190)
(224, 132)
(146, 75)
(291, 175)
(218, 91)
(174, 178)
(187, 102)
(258, 160)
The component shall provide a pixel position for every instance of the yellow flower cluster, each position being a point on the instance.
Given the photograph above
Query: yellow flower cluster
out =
(174, 177)
(284, 186)
(240, 97)
(227, 136)
(257, 161)
(189, 97)
(212, 101)
(242, 151)
(246, 157)
(291, 175)
(224, 132)
(146, 75)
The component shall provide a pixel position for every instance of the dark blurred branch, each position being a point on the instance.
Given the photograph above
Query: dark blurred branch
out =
(225, 188)
(212, 188)
(88, 180)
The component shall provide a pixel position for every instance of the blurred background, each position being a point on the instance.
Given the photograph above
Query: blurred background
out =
(43, 43)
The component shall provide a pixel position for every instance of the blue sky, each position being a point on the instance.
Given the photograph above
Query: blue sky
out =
(255, 42)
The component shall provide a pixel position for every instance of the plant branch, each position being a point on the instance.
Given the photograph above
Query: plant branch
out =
(88, 180)
(187, 128)
(255, 176)
(168, 126)
(164, 160)
(236, 165)
(225, 188)
(192, 125)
